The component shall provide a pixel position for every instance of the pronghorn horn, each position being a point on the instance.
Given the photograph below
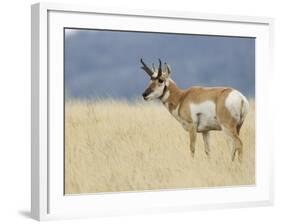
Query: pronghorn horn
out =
(160, 69)
(146, 68)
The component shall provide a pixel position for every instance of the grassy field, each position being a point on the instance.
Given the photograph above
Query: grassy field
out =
(117, 146)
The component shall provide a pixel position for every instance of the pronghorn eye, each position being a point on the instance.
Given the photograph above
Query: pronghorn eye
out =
(160, 80)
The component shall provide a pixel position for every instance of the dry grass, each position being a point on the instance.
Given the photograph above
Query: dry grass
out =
(116, 146)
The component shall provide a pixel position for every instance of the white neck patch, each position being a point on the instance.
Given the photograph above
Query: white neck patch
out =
(167, 93)
(166, 96)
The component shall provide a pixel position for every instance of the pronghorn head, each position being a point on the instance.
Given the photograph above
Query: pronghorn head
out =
(159, 80)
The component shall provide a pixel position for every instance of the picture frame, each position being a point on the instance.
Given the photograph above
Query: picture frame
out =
(48, 200)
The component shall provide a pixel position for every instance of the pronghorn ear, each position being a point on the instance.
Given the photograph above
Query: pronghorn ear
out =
(167, 73)
(168, 69)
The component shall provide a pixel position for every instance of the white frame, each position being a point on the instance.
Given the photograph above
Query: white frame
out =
(48, 201)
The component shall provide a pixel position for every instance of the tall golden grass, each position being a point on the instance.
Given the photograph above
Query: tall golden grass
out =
(120, 146)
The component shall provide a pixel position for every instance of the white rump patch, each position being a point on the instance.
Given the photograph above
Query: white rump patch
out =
(233, 103)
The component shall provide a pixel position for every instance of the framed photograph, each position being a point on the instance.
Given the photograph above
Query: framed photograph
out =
(148, 111)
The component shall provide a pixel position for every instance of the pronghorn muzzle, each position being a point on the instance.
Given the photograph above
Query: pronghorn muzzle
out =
(146, 93)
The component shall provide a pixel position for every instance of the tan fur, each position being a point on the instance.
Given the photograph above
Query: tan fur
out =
(183, 98)
(179, 102)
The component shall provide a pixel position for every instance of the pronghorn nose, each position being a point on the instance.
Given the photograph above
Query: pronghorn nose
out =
(144, 95)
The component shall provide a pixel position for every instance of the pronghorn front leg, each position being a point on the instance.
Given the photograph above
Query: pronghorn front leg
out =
(206, 138)
(192, 136)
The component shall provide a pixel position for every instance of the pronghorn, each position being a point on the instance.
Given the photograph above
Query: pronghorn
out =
(199, 109)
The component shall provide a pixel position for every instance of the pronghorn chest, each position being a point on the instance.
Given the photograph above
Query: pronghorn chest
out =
(175, 112)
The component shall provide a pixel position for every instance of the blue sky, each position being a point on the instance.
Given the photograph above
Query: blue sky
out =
(101, 64)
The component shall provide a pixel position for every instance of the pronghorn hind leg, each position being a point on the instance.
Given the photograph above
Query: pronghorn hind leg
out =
(238, 147)
(192, 136)
(238, 127)
(206, 139)
(233, 153)
(229, 125)
(240, 151)
(236, 142)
